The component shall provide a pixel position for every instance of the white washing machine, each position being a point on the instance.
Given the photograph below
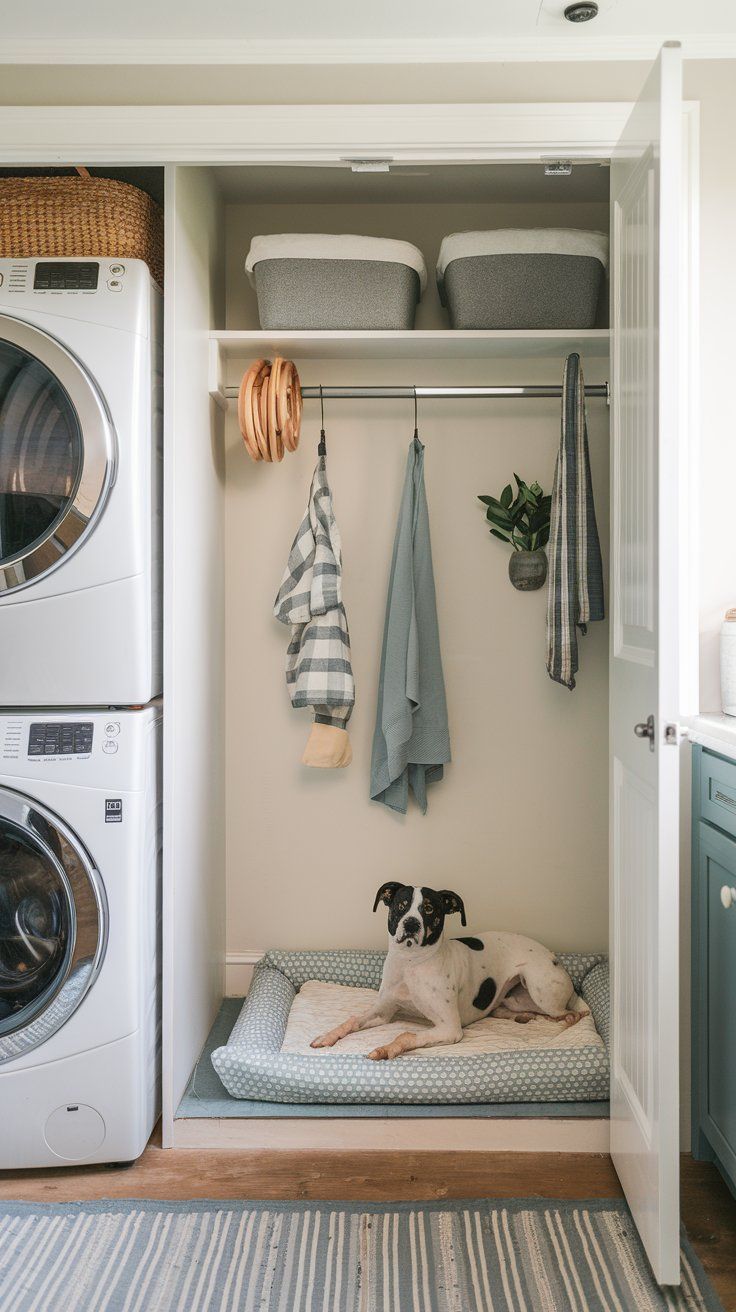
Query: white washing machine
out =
(80, 842)
(80, 482)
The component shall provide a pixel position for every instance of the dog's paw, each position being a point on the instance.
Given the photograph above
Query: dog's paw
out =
(325, 1040)
(572, 1017)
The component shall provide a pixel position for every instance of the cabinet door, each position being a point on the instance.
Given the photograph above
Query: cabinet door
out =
(717, 986)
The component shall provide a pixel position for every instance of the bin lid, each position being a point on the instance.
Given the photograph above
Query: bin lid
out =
(522, 241)
(334, 246)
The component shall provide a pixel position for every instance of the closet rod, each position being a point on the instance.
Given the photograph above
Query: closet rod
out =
(385, 393)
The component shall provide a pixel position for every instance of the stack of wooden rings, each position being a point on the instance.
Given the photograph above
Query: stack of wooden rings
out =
(270, 409)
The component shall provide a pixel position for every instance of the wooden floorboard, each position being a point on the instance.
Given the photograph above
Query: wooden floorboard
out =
(708, 1210)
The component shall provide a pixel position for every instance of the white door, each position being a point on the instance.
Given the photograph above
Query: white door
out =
(645, 297)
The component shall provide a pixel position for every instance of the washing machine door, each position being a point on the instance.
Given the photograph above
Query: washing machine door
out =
(57, 453)
(53, 924)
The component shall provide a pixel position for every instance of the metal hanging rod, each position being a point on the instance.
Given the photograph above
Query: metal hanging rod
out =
(389, 393)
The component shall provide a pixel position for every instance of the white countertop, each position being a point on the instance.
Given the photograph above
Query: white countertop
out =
(713, 730)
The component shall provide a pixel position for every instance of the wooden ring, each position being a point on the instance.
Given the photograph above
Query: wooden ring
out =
(289, 406)
(283, 405)
(259, 411)
(244, 410)
(275, 439)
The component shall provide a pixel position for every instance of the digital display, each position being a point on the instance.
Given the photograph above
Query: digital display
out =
(64, 738)
(60, 276)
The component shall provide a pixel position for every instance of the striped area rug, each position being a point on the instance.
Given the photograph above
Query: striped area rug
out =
(526, 1255)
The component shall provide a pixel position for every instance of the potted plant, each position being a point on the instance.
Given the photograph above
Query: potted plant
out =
(522, 520)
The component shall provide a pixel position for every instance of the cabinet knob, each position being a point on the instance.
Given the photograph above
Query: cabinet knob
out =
(728, 896)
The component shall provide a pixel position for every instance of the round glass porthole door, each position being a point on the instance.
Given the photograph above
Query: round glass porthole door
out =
(52, 924)
(56, 453)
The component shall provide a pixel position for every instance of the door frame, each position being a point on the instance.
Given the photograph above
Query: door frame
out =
(322, 134)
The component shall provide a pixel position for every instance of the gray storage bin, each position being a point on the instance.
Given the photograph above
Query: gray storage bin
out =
(321, 281)
(522, 278)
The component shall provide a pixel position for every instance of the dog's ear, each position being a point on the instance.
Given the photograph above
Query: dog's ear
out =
(386, 892)
(452, 902)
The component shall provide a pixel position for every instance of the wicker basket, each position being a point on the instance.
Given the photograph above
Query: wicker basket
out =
(80, 216)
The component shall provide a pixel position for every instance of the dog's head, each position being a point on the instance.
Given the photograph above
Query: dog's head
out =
(416, 916)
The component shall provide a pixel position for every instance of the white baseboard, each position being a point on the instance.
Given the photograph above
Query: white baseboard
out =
(239, 971)
(315, 1134)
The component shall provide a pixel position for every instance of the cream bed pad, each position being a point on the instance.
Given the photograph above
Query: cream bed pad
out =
(319, 1006)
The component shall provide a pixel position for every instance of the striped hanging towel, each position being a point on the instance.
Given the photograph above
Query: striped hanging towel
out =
(575, 581)
(319, 673)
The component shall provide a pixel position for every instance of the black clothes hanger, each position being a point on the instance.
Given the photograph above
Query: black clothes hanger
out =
(322, 448)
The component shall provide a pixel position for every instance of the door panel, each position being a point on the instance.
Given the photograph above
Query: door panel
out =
(53, 924)
(57, 453)
(646, 261)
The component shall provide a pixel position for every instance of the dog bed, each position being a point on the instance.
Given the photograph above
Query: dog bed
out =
(255, 1063)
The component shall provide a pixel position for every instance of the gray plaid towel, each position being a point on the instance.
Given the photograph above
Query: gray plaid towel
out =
(411, 742)
(318, 669)
(575, 581)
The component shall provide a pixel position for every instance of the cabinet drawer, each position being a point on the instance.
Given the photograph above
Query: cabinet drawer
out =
(718, 792)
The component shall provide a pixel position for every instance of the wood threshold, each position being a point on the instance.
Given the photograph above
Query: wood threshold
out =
(464, 1135)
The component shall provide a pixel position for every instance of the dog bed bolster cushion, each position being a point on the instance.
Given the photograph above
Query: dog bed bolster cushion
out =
(251, 1064)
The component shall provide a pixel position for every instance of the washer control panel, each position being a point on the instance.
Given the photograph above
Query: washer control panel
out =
(63, 276)
(61, 738)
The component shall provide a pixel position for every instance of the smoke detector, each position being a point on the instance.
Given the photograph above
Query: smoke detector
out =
(581, 12)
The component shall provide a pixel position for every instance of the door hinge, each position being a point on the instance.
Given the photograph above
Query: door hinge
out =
(674, 734)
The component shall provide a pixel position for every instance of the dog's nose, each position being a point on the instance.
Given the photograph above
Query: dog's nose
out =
(411, 926)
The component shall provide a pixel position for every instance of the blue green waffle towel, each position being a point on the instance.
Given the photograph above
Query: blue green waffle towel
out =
(411, 743)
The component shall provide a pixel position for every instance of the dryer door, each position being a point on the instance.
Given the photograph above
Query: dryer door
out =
(57, 453)
(53, 924)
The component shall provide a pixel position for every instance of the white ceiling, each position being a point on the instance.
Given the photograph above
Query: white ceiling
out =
(333, 30)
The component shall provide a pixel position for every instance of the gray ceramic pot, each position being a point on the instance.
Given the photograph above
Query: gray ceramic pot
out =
(528, 570)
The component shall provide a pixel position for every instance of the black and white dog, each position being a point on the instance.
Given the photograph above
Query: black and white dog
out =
(453, 982)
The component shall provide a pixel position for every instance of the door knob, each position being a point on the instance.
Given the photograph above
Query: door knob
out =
(646, 731)
(728, 896)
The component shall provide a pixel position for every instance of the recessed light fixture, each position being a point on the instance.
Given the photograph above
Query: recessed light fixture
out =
(581, 12)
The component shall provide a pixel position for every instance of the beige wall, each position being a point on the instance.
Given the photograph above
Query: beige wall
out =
(519, 826)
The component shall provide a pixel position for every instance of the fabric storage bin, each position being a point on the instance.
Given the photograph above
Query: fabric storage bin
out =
(319, 281)
(522, 277)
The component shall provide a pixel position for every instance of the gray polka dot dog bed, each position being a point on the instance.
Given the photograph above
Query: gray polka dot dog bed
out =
(296, 995)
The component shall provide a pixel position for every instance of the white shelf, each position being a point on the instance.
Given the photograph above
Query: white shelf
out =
(414, 345)
(444, 344)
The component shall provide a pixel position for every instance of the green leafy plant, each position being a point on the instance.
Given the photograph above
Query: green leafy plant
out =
(522, 520)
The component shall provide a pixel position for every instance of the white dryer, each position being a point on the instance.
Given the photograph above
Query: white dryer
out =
(80, 482)
(80, 842)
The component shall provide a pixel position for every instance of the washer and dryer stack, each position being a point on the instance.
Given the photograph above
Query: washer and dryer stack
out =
(80, 732)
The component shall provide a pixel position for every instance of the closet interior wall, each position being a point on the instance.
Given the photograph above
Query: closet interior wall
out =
(520, 824)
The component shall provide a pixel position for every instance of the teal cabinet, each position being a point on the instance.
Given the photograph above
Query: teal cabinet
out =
(714, 961)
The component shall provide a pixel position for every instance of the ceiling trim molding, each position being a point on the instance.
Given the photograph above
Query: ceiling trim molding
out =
(210, 134)
(536, 47)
